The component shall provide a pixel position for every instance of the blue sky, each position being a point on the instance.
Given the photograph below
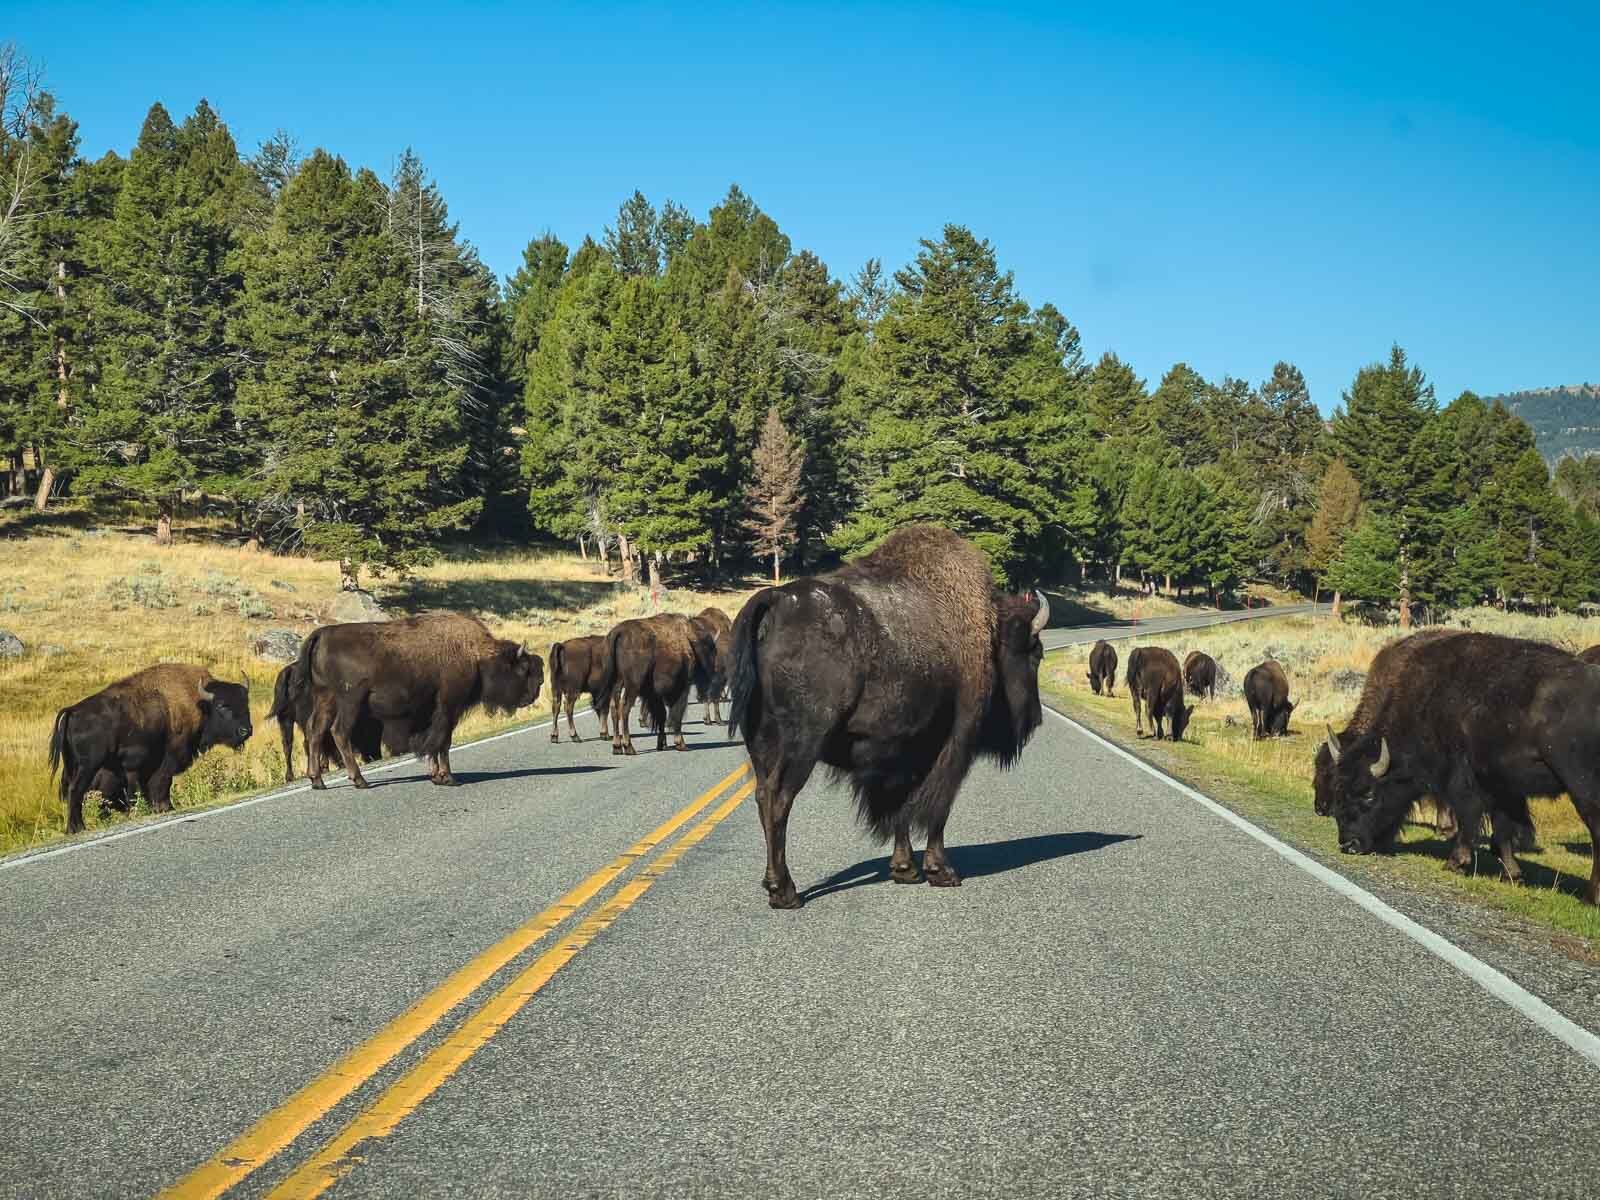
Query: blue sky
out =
(1283, 181)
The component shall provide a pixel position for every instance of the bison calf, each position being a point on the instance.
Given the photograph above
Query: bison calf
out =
(1102, 668)
(1155, 682)
(655, 661)
(142, 732)
(1200, 674)
(291, 707)
(715, 623)
(1266, 691)
(576, 666)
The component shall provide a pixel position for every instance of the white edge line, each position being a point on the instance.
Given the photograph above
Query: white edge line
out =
(1497, 984)
(181, 818)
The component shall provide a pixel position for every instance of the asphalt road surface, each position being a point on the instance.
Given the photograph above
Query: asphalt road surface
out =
(562, 979)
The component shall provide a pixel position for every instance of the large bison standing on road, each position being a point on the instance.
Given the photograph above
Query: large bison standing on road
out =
(143, 731)
(576, 666)
(1479, 721)
(416, 677)
(715, 622)
(1103, 668)
(1155, 681)
(896, 670)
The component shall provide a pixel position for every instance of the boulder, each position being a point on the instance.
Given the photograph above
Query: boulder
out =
(277, 645)
(357, 606)
(10, 644)
(49, 650)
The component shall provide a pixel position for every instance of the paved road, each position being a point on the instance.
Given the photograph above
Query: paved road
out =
(1129, 996)
(1114, 630)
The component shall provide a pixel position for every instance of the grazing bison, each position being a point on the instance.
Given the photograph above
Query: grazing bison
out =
(1591, 656)
(291, 706)
(1266, 691)
(1200, 674)
(141, 732)
(1103, 668)
(896, 671)
(716, 622)
(1480, 722)
(576, 666)
(654, 661)
(1154, 681)
(416, 677)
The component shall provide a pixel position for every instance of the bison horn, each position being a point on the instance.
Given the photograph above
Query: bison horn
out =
(1380, 767)
(205, 694)
(1042, 617)
(1333, 743)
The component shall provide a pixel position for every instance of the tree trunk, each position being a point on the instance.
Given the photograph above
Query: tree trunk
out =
(47, 480)
(1334, 611)
(625, 553)
(1168, 588)
(775, 578)
(349, 576)
(1405, 592)
(583, 547)
(164, 528)
(605, 554)
(1117, 581)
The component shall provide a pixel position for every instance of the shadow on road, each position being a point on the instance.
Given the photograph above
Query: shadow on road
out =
(464, 778)
(974, 862)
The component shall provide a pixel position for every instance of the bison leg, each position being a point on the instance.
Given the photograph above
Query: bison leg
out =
(317, 733)
(1138, 717)
(1582, 780)
(286, 728)
(158, 788)
(1466, 801)
(675, 718)
(555, 713)
(902, 866)
(441, 769)
(603, 711)
(572, 700)
(780, 771)
(81, 780)
(621, 735)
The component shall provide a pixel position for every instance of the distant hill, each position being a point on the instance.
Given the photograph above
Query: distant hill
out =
(1564, 420)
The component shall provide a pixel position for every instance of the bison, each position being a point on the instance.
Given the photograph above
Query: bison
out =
(716, 622)
(1266, 691)
(1103, 668)
(1200, 674)
(654, 660)
(291, 706)
(1154, 680)
(416, 677)
(896, 671)
(576, 666)
(1479, 721)
(143, 731)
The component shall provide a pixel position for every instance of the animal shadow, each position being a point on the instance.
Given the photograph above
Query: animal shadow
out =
(974, 862)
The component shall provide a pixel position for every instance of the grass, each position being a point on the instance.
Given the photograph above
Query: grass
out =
(1270, 781)
(93, 605)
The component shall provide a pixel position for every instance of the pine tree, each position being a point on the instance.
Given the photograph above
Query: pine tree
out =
(360, 427)
(774, 492)
(633, 243)
(1176, 416)
(1115, 400)
(1366, 566)
(530, 298)
(869, 293)
(1338, 506)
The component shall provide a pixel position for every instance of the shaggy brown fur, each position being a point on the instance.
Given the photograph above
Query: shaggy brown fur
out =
(416, 676)
(1591, 655)
(654, 660)
(1200, 674)
(576, 666)
(1155, 682)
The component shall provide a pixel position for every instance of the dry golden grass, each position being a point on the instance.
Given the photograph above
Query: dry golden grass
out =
(1325, 662)
(115, 602)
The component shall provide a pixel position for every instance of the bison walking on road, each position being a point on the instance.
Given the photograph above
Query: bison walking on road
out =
(1480, 722)
(896, 670)
(655, 660)
(416, 677)
(576, 666)
(1155, 682)
(1266, 691)
(1103, 668)
(1200, 674)
(143, 731)
(291, 707)
(714, 621)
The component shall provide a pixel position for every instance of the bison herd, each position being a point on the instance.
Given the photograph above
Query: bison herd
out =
(1157, 687)
(896, 672)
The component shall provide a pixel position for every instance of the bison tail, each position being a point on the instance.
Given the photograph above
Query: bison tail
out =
(59, 751)
(741, 674)
(558, 655)
(283, 691)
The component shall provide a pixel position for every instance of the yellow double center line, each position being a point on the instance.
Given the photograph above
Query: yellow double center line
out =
(275, 1131)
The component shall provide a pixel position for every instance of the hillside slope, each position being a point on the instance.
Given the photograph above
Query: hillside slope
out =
(1564, 420)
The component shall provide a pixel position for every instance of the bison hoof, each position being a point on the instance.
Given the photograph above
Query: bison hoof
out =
(360, 783)
(317, 785)
(785, 897)
(444, 781)
(905, 873)
(575, 739)
(943, 876)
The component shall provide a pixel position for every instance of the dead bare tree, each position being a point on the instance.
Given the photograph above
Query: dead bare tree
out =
(774, 491)
(21, 99)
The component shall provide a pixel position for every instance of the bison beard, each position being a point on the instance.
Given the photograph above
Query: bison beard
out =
(1480, 722)
(894, 671)
(416, 677)
(141, 732)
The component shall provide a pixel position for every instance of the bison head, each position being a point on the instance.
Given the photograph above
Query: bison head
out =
(1366, 788)
(1094, 682)
(1178, 717)
(225, 715)
(512, 677)
(1279, 725)
(1014, 711)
